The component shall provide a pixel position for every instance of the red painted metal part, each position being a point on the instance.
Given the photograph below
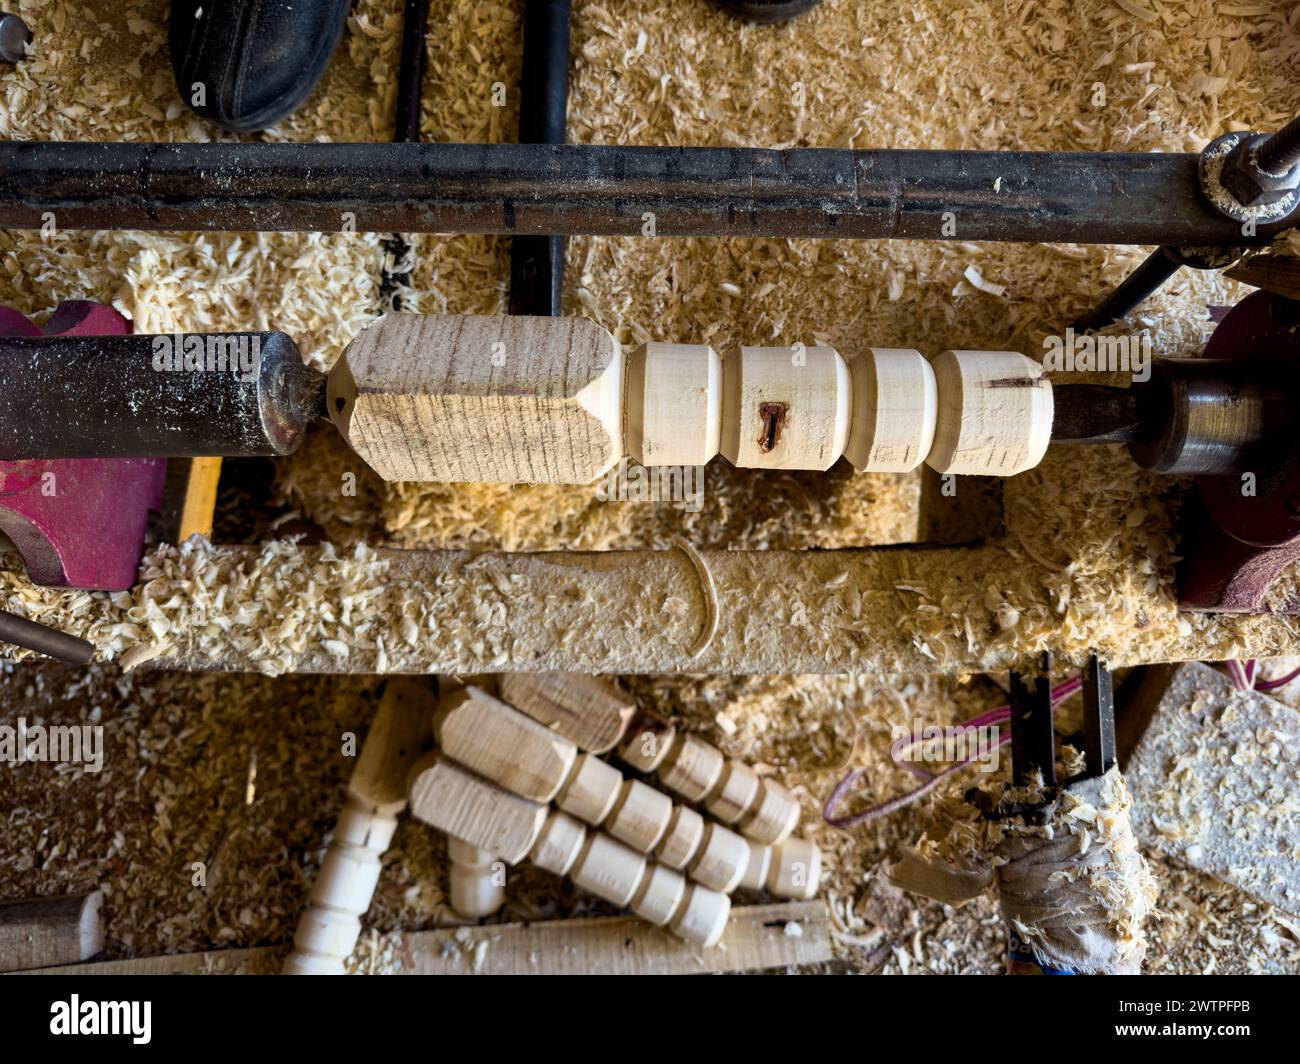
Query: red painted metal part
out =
(1234, 545)
(78, 522)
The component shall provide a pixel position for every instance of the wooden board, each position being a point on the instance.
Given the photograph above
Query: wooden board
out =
(1213, 777)
(757, 937)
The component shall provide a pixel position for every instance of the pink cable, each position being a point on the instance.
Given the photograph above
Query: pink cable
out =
(991, 716)
(1273, 685)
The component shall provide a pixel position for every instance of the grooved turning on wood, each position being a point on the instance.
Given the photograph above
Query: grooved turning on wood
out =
(589, 710)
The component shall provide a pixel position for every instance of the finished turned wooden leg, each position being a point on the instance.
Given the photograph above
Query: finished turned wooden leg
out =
(456, 801)
(328, 931)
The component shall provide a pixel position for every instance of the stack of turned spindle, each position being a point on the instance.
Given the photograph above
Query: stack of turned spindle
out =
(521, 776)
(519, 399)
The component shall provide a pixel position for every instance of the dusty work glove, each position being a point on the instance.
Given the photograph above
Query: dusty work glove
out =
(1074, 888)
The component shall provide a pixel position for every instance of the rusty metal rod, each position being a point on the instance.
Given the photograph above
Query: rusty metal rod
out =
(44, 640)
(1087, 197)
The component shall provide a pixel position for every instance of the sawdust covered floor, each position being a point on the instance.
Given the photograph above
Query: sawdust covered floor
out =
(241, 779)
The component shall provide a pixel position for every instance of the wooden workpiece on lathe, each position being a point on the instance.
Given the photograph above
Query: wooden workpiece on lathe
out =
(895, 408)
(498, 742)
(508, 399)
(761, 809)
(328, 931)
(486, 816)
(672, 411)
(995, 413)
(476, 398)
(591, 711)
(785, 407)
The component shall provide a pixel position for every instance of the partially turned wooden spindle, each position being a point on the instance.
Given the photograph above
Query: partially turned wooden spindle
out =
(328, 931)
(673, 404)
(995, 413)
(505, 746)
(785, 407)
(482, 814)
(699, 772)
(895, 408)
(520, 399)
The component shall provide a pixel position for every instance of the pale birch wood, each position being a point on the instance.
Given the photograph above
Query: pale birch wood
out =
(500, 743)
(45, 931)
(682, 841)
(785, 408)
(796, 869)
(722, 859)
(475, 398)
(477, 889)
(995, 413)
(592, 789)
(454, 800)
(895, 409)
(648, 744)
(328, 930)
(640, 817)
(672, 414)
(693, 768)
(735, 794)
(591, 711)
(773, 817)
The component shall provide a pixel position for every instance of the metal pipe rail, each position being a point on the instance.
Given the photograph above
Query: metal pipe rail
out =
(572, 190)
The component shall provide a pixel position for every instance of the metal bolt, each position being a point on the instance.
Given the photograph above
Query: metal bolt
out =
(1281, 151)
(14, 38)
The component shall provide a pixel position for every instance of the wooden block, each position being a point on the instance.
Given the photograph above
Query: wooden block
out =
(501, 744)
(895, 407)
(609, 869)
(454, 800)
(756, 871)
(693, 768)
(48, 931)
(660, 896)
(722, 859)
(648, 743)
(1213, 778)
(785, 408)
(995, 413)
(481, 399)
(591, 711)
(796, 869)
(557, 847)
(703, 916)
(735, 794)
(641, 816)
(756, 937)
(592, 790)
(672, 412)
(774, 816)
(683, 839)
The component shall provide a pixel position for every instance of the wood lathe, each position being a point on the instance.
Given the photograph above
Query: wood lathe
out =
(500, 399)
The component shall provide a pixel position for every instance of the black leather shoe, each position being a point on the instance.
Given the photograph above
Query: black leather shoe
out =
(768, 10)
(256, 61)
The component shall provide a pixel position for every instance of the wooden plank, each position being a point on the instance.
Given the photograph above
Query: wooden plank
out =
(757, 937)
(1213, 778)
(640, 612)
(38, 932)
